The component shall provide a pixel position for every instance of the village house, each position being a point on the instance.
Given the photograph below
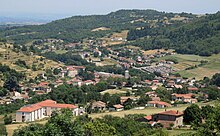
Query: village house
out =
(98, 105)
(187, 98)
(88, 82)
(125, 98)
(151, 94)
(168, 118)
(42, 87)
(158, 104)
(79, 68)
(117, 107)
(41, 110)
(71, 72)
(192, 89)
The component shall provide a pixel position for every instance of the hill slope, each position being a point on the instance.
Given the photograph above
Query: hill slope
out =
(199, 37)
(79, 27)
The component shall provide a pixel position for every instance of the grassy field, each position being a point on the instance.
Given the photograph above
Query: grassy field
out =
(106, 61)
(149, 52)
(186, 61)
(147, 111)
(108, 41)
(113, 91)
(176, 132)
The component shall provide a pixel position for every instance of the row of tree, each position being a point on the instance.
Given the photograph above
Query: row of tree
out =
(63, 124)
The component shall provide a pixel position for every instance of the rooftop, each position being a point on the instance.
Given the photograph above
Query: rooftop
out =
(172, 113)
(46, 103)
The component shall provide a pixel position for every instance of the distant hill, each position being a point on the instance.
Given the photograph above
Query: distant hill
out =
(148, 29)
(78, 27)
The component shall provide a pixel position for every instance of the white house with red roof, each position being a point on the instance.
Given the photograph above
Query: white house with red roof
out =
(187, 98)
(41, 110)
(158, 104)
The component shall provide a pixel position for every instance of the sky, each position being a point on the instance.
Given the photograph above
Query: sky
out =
(64, 8)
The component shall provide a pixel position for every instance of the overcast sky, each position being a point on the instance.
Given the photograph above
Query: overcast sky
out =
(87, 7)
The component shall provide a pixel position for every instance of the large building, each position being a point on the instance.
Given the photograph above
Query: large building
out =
(42, 109)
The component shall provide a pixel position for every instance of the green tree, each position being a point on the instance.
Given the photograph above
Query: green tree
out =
(3, 131)
(30, 130)
(7, 119)
(11, 83)
(192, 114)
(216, 79)
(97, 128)
(61, 124)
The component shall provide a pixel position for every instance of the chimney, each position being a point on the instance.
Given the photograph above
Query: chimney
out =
(177, 112)
(165, 109)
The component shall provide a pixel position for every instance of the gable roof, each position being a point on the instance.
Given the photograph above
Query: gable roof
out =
(29, 108)
(149, 117)
(183, 95)
(98, 104)
(160, 103)
(46, 103)
(172, 113)
(118, 106)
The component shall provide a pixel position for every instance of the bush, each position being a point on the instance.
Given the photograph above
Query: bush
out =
(7, 119)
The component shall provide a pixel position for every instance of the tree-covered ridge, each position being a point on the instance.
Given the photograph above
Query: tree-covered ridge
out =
(79, 27)
(198, 37)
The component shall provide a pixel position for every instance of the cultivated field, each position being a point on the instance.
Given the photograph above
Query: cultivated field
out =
(186, 61)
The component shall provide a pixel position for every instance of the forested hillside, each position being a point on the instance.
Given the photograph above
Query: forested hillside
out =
(149, 29)
(79, 27)
(199, 37)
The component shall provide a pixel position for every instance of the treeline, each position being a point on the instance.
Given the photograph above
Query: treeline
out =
(62, 124)
(204, 120)
(199, 37)
(68, 58)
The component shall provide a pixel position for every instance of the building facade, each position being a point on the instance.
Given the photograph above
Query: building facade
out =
(41, 110)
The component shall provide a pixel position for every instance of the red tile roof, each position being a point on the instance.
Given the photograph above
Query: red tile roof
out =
(118, 106)
(46, 103)
(193, 89)
(172, 112)
(29, 108)
(183, 95)
(43, 84)
(160, 103)
(149, 117)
